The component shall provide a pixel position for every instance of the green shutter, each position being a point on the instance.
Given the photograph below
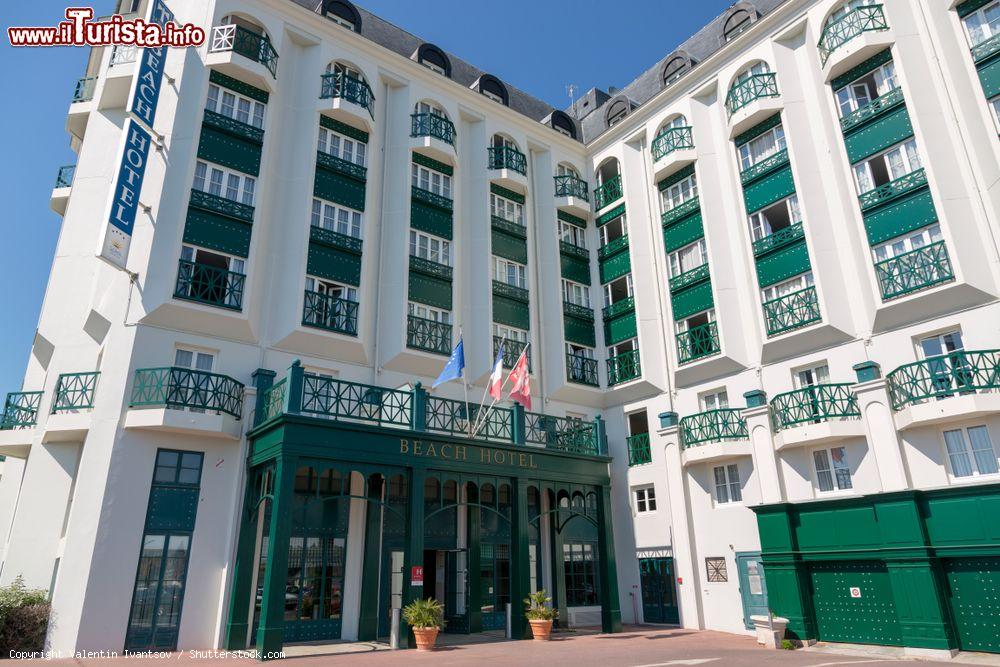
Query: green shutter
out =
(620, 328)
(229, 150)
(889, 129)
(766, 191)
(430, 291)
(334, 264)
(430, 219)
(509, 247)
(217, 232)
(688, 230)
(694, 300)
(912, 211)
(574, 269)
(790, 261)
(511, 312)
(579, 331)
(339, 188)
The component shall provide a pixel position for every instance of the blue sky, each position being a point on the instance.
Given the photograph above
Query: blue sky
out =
(540, 46)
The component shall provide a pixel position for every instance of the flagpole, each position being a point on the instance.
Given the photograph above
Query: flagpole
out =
(486, 390)
(465, 384)
(502, 387)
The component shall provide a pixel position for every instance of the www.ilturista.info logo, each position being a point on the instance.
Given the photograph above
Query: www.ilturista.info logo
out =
(79, 30)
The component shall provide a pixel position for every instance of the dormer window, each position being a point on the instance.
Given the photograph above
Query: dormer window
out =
(675, 69)
(434, 59)
(737, 23)
(342, 13)
(491, 87)
(617, 112)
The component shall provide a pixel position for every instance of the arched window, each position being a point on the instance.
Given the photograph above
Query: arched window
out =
(503, 141)
(675, 69)
(738, 22)
(617, 112)
(759, 67)
(434, 59)
(493, 88)
(563, 124)
(342, 13)
(847, 7)
(608, 170)
(244, 22)
(563, 169)
(429, 106)
(676, 121)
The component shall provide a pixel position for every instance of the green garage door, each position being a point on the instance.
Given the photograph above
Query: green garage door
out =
(973, 585)
(854, 604)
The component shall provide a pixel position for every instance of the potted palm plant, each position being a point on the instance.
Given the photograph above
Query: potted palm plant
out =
(540, 615)
(426, 618)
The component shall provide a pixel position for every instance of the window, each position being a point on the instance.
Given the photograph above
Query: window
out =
(832, 471)
(504, 208)
(577, 367)
(894, 163)
(617, 112)
(192, 359)
(500, 141)
(213, 259)
(715, 400)
(983, 460)
(812, 376)
(174, 467)
(762, 147)
(563, 169)
(625, 347)
(867, 89)
(189, 390)
(511, 273)
(983, 24)
(430, 180)
(331, 289)
(737, 23)
(906, 243)
(715, 569)
(675, 69)
(429, 247)
(493, 91)
(618, 290)
(434, 59)
(576, 293)
(775, 217)
(336, 218)
(343, 147)
(687, 258)
(579, 562)
(787, 287)
(727, 484)
(510, 333)
(678, 193)
(431, 108)
(223, 182)
(693, 322)
(343, 14)
(645, 499)
(233, 105)
(580, 351)
(938, 344)
(612, 230)
(201, 282)
(572, 234)
(428, 312)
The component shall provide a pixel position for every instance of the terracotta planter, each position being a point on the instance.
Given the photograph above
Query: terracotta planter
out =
(426, 637)
(541, 630)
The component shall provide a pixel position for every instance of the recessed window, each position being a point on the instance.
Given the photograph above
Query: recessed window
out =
(775, 217)
(674, 195)
(341, 146)
(983, 24)
(233, 105)
(434, 59)
(572, 234)
(832, 470)
(867, 89)
(760, 148)
(907, 243)
(617, 112)
(811, 376)
(970, 452)
(336, 218)
(428, 312)
(342, 13)
(727, 484)
(688, 258)
(331, 289)
(430, 180)
(612, 230)
(511, 334)
(715, 570)
(623, 348)
(492, 88)
(714, 400)
(675, 69)
(431, 248)
(645, 499)
(898, 161)
(506, 209)
(223, 182)
(174, 467)
(203, 283)
(701, 338)
(618, 290)
(563, 124)
(510, 273)
(786, 287)
(576, 293)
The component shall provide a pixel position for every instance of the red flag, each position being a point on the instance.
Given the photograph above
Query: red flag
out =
(520, 382)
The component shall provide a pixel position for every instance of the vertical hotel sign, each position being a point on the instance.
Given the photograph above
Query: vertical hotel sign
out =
(135, 149)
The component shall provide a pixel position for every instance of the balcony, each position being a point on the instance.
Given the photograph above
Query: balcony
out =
(428, 335)
(791, 311)
(182, 400)
(81, 106)
(577, 311)
(623, 368)
(816, 414)
(987, 49)
(239, 52)
(432, 198)
(608, 193)
(750, 100)
(568, 434)
(672, 149)
(764, 167)
(84, 90)
(572, 250)
(511, 166)
(893, 190)
(852, 38)
(914, 271)
(221, 205)
(873, 110)
(778, 240)
(434, 134)
(638, 449)
(949, 387)
(613, 247)
(325, 311)
(20, 415)
(581, 370)
(347, 98)
(511, 351)
(573, 195)
(688, 278)
(209, 285)
(714, 435)
(698, 342)
(341, 166)
(510, 291)
(61, 191)
(618, 307)
(680, 211)
(508, 226)
(72, 402)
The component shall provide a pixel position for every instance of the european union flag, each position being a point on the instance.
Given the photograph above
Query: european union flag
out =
(455, 366)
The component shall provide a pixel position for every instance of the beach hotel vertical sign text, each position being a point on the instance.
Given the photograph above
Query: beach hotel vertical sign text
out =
(135, 149)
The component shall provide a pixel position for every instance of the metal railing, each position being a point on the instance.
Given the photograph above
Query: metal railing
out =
(511, 351)
(943, 376)
(623, 367)
(871, 110)
(698, 342)
(432, 125)
(911, 181)
(689, 277)
(749, 89)
(222, 205)
(341, 165)
(639, 452)
(862, 19)
(122, 54)
(428, 335)
(431, 198)
(353, 401)
(608, 192)
(325, 311)
(670, 140)
(613, 246)
(571, 249)
(563, 433)
(180, 388)
(209, 284)
(985, 49)
(233, 126)
(780, 238)
(768, 164)
(814, 404)
(679, 211)
(791, 311)
(578, 311)
(84, 90)
(507, 157)
(712, 426)
(20, 409)
(431, 268)
(510, 291)
(64, 177)
(511, 227)
(347, 87)
(351, 244)
(618, 307)
(581, 369)
(75, 391)
(248, 44)
(571, 186)
(914, 270)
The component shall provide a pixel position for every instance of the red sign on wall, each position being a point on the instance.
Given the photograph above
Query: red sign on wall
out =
(417, 575)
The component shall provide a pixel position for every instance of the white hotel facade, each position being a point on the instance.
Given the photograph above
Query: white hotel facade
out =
(759, 285)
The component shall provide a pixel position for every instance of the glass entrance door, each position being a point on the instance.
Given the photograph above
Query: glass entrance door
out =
(494, 583)
(456, 590)
(159, 591)
(659, 597)
(314, 588)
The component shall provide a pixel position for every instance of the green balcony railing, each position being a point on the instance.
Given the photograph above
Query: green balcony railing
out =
(690, 277)
(893, 189)
(679, 211)
(712, 426)
(608, 192)
(432, 198)
(791, 311)
(20, 409)
(509, 226)
(181, 388)
(431, 268)
(64, 178)
(209, 285)
(571, 186)
(341, 165)
(349, 88)
(564, 433)
(670, 140)
(221, 205)
(875, 108)
(612, 247)
(344, 242)
(577, 311)
(75, 391)
(618, 307)
(639, 452)
(325, 311)
(432, 125)
(581, 369)
(765, 166)
(84, 90)
(567, 248)
(509, 291)
(866, 18)
(507, 157)
(698, 342)
(778, 239)
(811, 405)
(986, 49)
(915, 270)
(750, 89)
(233, 126)
(623, 367)
(961, 372)
(248, 44)
(428, 335)
(511, 351)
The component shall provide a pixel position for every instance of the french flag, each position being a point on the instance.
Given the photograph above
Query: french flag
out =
(496, 377)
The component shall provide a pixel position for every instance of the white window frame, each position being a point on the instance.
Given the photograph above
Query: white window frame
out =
(604, 230)
(983, 25)
(762, 147)
(572, 234)
(907, 243)
(684, 325)
(949, 341)
(682, 191)
(974, 456)
(644, 498)
(238, 107)
(909, 159)
(430, 247)
(731, 483)
(233, 264)
(341, 146)
(563, 169)
(331, 288)
(697, 250)
(502, 268)
(506, 209)
(810, 376)
(510, 333)
(428, 312)
(833, 469)
(760, 227)
(430, 180)
(848, 98)
(490, 95)
(195, 363)
(205, 173)
(629, 289)
(576, 293)
(581, 350)
(336, 218)
(713, 400)
(786, 287)
(617, 349)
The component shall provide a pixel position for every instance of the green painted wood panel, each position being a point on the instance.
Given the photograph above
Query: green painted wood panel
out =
(912, 211)
(229, 150)
(787, 262)
(973, 584)
(620, 328)
(989, 75)
(868, 619)
(339, 188)
(217, 232)
(693, 300)
(430, 219)
(511, 312)
(171, 508)
(430, 291)
(615, 267)
(963, 519)
(334, 264)
(687, 230)
(871, 138)
(579, 331)
(919, 596)
(769, 189)
(574, 268)
(509, 247)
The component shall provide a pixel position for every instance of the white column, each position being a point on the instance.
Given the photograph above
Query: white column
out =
(758, 419)
(876, 415)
